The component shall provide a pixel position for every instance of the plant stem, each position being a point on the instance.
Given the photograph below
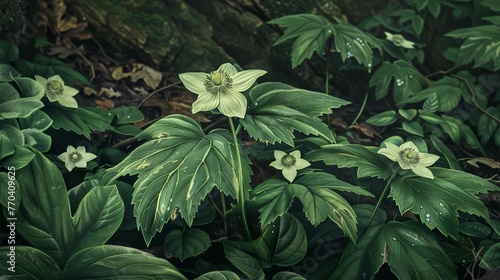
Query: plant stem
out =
(327, 77)
(223, 204)
(361, 110)
(382, 196)
(240, 189)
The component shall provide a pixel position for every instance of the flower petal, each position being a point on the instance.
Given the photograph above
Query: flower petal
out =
(392, 151)
(56, 78)
(41, 80)
(405, 165)
(81, 164)
(278, 155)
(69, 91)
(388, 36)
(295, 154)
(194, 81)
(228, 68)
(81, 150)
(427, 159)
(69, 165)
(423, 172)
(205, 102)
(87, 156)
(289, 173)
(408, 145)
(64, 156)
(67, 101)
(277, 164)
(70, 149)
(245, 79)
(233, 104)
(407, 44)
(301, 164)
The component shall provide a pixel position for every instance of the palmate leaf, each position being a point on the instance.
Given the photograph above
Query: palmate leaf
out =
(316, 192)
(81, 121)
(177, 168)
(410, 250)
(368, 162)
(312, 33)
(437, 201)
(407, 80)
(277, 109)
(481, 45)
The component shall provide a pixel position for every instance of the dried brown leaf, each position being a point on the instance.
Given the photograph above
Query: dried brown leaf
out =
(367, 130)
(151, 77)
(110, 92)
(106, 104)
(484, 160)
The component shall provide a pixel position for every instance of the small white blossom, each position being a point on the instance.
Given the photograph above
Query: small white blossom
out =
(399, 40)
(55, 90)
(221, 89)
(76, 157)
(289, 163)
(408, 157)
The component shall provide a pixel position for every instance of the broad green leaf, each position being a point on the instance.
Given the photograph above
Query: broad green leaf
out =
(276, 110)
(38, 120)
(7, 73)
(177, 168)
(22, 156)
(37, 139)
(475, 229)
(316, 191)
(481, 45)
(408, 114)
(446, 152)
(127, 129)
(447, 96)
(44, 218)
(48, 66)
(13, 106)
(98, 216)
(81, 120)
(368, 162)
(242, 256)
(383, 119)
(470, 137)
(29, 263)
(364, 259)
(437, 201)
(407, 80)
(312, 31)
(125, 115)
(450, 126)
(187, 243)
(287, 275)
(117, 262)
(413, 128)
(487, 126)
(491, 258)
(431, 104)
(6, 146)
(30, 88)
(470, 183)
(218, 275)
(408, 15)
(412, 252)
(350, 41)
(286, 240)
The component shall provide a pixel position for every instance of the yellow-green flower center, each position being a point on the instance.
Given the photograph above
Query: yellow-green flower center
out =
(409, 155)
(288, 160)
(55, 86)
(74, 157)
(398, 39)
(218, 82)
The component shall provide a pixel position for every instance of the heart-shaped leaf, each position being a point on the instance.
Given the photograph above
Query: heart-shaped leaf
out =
(187, 243)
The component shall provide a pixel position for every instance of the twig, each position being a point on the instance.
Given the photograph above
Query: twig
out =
(156, 91)
(474, 98)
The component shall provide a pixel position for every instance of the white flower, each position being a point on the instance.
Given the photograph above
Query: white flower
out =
(399, 40)
(221, 89)
(76, 157)
(55, 90)
(289, 163)
(408, 157)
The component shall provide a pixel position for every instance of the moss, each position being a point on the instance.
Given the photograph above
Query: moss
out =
(12, 19)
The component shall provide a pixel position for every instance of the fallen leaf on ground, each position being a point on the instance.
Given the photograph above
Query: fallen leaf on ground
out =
(106, 104)
(486, 161)
(110, 92)
(151, 77)
(367, 130)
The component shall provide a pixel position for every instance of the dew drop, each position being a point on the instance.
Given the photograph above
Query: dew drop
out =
(329, 31)
(411, 76)
(162, 209)
(428, 219)
(171, 200)
(128, 117)
(440, 213)
(427, 215)
(109, 114)
(272, 231)
(274, 225)
(421, 206)
(168, 208)
(382, 254)
(412, 245)
(255, 103)
(369, 65)
(441, 204)
(394, 238)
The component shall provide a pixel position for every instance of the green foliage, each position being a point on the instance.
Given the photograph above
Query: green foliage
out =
(191, 164)
(187, 243)
(313, 32)
(277, 110)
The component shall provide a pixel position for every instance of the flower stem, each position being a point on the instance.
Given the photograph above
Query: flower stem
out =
(361, 110)
(240, 189)
(382, 196)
